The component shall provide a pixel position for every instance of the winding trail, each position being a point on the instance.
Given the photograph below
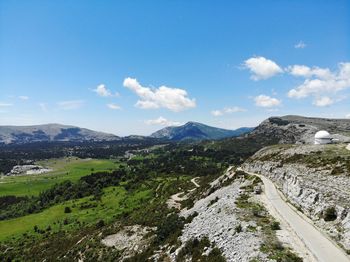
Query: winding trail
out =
(193, 180)
(174, 200)
(322, 248)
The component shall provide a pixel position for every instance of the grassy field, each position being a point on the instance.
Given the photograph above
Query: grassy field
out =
(63, 169)
(84, 211)
(114, 202)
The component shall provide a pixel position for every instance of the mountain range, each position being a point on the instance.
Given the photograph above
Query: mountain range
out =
(284, 129)
(50, 132)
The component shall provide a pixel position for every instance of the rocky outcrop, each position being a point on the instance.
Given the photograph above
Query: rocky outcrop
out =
(315, 179)
(130, 240)
(301, 130)
(217, 219)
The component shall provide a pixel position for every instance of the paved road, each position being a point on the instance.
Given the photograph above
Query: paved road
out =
(319, 245)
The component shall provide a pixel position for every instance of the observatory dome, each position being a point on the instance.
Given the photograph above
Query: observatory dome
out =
(322, 137)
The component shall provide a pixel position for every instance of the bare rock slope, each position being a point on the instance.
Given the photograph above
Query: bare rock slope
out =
(301, 130)
(316, 179)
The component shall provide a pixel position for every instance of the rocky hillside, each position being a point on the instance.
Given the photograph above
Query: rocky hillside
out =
(50, 132)
(298, 129)
(197, 131)
(315, 179)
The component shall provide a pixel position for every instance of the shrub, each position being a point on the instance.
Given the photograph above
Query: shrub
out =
(67, 210)
(330, 214)
(275, 225)
(238, 228)
(171, 225)
(100, 223)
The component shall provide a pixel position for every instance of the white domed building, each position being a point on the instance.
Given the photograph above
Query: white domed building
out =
(323, 137)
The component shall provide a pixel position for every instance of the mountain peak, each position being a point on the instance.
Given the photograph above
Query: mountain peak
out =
(196, 131)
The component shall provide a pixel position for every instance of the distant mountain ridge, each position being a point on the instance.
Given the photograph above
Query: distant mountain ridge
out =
(292, 129)
(50, 132)
(197, 131)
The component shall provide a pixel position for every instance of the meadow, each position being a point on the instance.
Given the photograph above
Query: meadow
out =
(69, 168)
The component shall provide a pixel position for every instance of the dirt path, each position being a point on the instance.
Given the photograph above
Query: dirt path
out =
(174, 200)
(193, 180)
(322, 248)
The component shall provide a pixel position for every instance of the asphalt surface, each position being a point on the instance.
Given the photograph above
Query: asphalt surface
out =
(317, 242)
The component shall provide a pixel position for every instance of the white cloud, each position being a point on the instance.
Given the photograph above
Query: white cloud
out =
(71, 104)
(174, 99)
(234, 109)
(101, 90)
(307, 72)
(23, 97)
(323, 101)
(300, 45)
(347, 116)
(5, 104)
(43, 107)
(325, 82)
(162, 121)
(114, 106)
(217, 113)
(262, 68)
(266, 101)
(228, 110)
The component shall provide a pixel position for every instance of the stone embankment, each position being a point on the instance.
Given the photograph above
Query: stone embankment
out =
(315, 179)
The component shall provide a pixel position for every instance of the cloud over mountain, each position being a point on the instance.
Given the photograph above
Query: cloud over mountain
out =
(320, 81)
(162, 121)
(174, 99)
(266, 101)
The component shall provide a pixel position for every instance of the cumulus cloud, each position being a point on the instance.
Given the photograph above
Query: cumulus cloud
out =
(347, 116)
(217, 113)
(300, 45)
(101, 90)
(113, 107)
(23, 97)
(307, 72)
(323, 101)
(5, 104)
(162, 121)
(228, 110)
(70, 105)
(323, 82)
(262, 68)
(266, 101)
(174, 99)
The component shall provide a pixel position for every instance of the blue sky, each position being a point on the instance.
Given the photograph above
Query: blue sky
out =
(132, 67)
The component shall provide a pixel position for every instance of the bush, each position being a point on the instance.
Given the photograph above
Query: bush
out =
(67, 210)
(100, 223)
(171, 225)
(238, 228)
(330, 214)
(275, 225)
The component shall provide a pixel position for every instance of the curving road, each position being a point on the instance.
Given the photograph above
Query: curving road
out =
(319, 245)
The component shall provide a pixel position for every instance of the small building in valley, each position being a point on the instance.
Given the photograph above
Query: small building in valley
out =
(323, 137)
